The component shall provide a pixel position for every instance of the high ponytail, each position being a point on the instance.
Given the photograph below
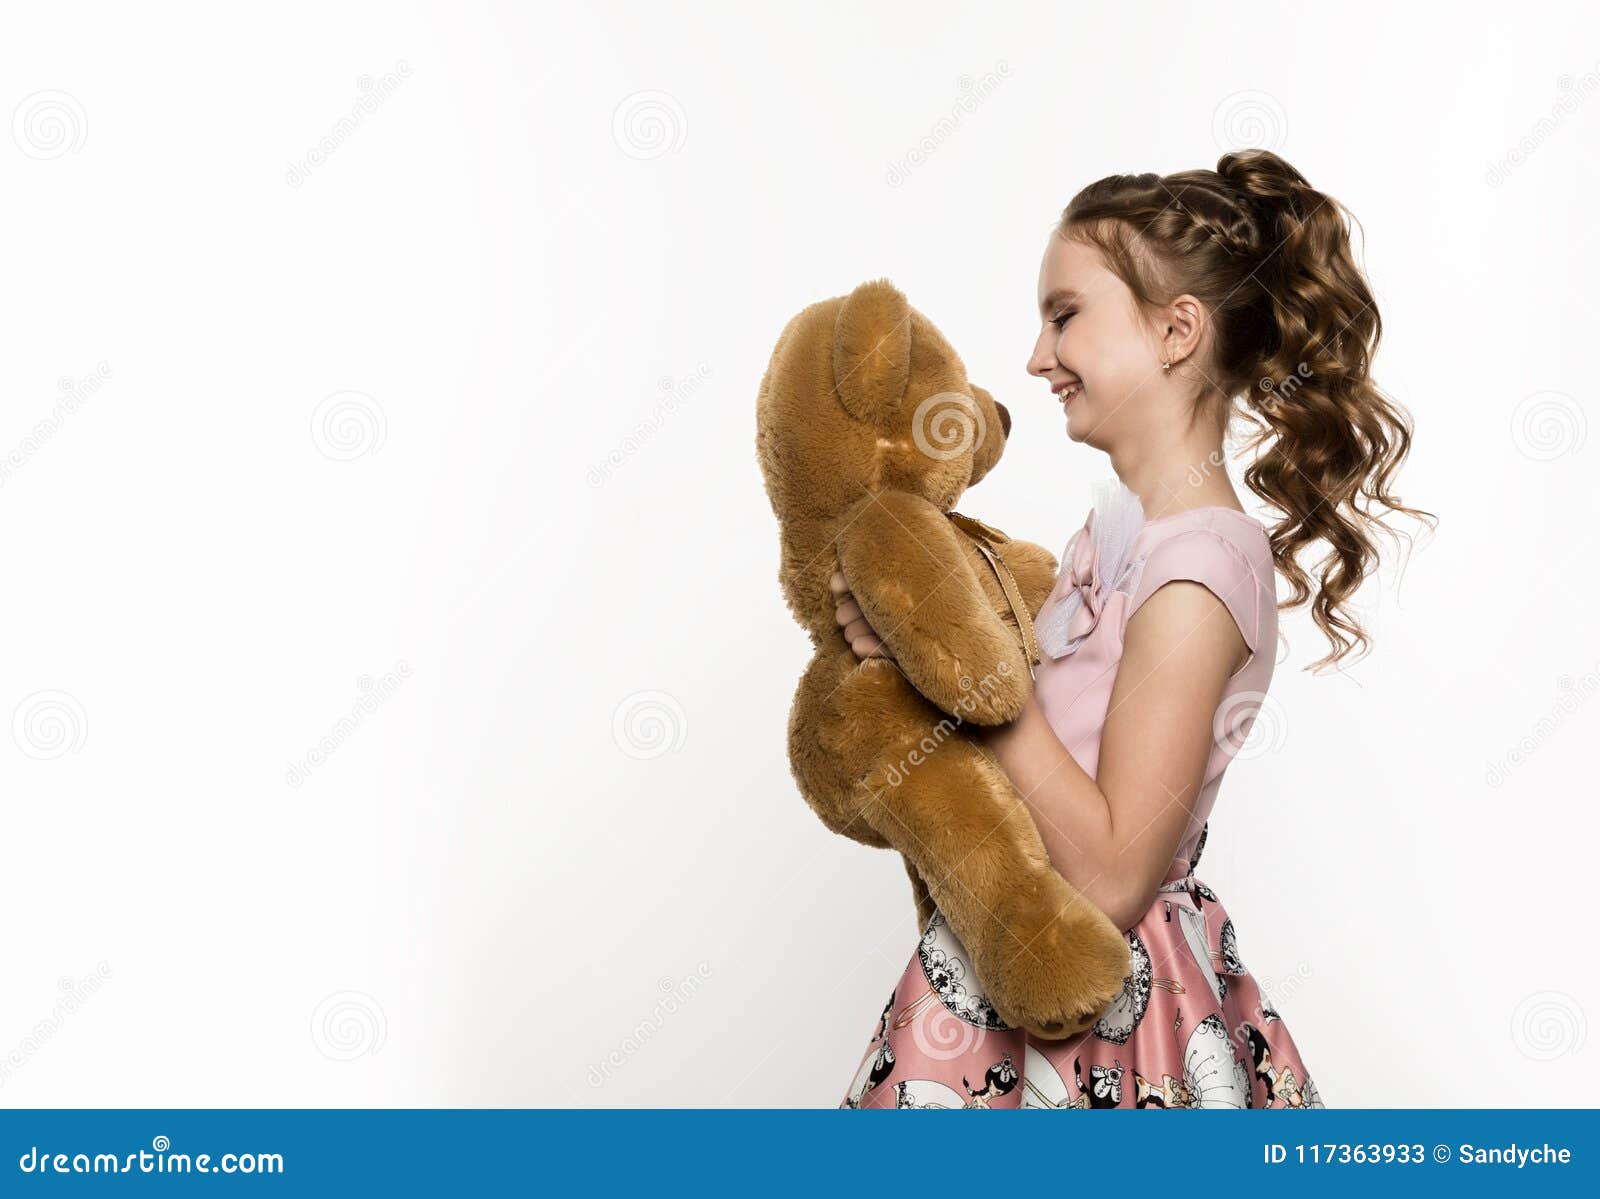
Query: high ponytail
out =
(1294, 331)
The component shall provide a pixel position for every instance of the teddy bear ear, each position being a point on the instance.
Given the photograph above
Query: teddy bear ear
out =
(872, 349)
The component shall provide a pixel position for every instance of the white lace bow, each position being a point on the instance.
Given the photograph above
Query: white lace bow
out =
(1098, 560)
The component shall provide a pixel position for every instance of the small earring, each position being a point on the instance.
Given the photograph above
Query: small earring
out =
(1166, 366)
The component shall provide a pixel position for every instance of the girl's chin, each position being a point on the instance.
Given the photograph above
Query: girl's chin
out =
(1081, 426)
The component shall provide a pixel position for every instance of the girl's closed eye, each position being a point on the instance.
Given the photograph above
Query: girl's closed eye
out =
(1064, 317)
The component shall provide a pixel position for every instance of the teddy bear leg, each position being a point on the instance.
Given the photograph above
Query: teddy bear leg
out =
(1046, 957)
(828, 778)
(919, 894)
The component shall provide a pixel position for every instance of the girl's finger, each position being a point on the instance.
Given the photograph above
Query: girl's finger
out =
(847, 611)
(837, 584)
(858, 628)
(868, 646)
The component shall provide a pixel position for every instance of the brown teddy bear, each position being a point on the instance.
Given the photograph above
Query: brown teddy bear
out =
(868, 432)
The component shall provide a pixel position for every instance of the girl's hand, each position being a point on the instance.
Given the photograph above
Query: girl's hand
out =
(863, 641)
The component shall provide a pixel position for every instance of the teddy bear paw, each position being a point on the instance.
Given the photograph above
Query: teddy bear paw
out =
(1054, 975)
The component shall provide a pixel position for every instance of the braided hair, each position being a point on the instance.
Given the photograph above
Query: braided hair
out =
(1293, 330)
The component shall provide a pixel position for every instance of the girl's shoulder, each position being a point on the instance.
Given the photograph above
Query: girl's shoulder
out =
(1117, 559)
(1226, 550)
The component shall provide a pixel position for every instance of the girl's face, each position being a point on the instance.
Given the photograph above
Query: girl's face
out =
(1093, 345)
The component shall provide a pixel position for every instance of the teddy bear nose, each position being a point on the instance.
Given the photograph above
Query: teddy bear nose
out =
(1005, 419)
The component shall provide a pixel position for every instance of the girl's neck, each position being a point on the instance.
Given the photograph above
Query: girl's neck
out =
(1179, 478)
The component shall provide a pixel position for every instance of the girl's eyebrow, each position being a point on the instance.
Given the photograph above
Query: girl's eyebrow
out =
(1057, 296)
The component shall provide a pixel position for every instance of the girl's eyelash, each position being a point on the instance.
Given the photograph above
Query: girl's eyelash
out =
(1056, 320)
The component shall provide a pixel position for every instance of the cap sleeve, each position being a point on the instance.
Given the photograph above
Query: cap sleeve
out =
(1205, 556)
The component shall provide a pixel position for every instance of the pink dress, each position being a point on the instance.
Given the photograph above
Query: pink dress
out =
(1190, 1028)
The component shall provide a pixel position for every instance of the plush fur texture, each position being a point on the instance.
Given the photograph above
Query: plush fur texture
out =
(868, 432)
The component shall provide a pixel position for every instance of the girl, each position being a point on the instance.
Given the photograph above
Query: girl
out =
(1168, 304)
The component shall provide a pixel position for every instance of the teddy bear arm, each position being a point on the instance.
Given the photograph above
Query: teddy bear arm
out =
(913, 578)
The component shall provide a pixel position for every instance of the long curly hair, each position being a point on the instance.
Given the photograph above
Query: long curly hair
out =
(1293, 331)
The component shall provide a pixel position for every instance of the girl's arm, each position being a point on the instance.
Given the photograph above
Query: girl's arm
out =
(1115, 838)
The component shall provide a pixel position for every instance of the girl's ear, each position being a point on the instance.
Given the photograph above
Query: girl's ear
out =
(1183, 321)
(872, 350)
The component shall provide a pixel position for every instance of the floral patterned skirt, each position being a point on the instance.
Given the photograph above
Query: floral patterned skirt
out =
(1190, 1029)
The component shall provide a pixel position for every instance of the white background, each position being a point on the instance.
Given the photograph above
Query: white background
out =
(562, 221)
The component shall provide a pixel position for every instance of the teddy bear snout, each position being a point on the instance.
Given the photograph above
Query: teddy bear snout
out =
(1005, 419)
